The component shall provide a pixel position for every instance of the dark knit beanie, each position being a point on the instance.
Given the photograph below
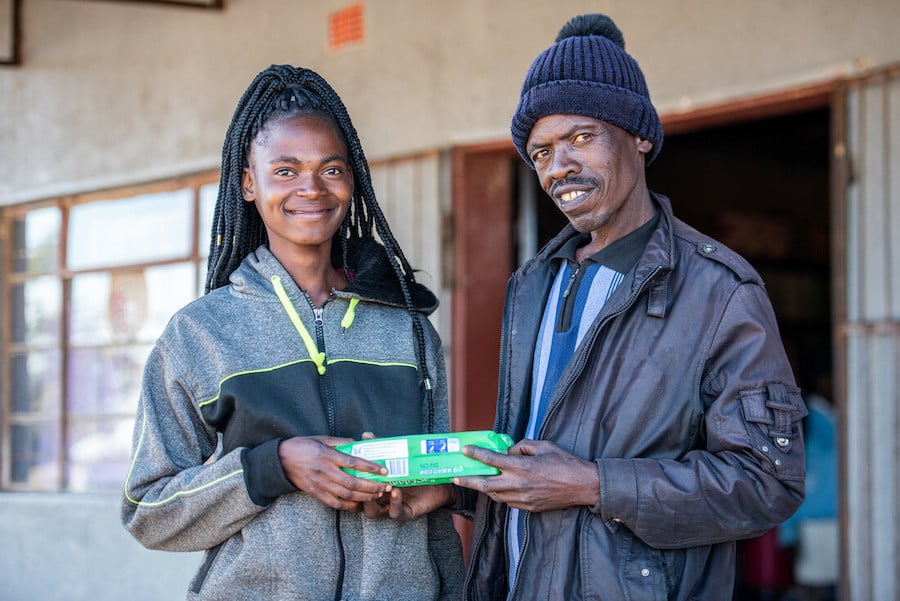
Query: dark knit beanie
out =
(587, 72)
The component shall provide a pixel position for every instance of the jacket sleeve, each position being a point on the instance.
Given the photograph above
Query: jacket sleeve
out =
(749, 474)
(177, 497)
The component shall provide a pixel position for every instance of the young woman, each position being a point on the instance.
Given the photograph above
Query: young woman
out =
(312, 333)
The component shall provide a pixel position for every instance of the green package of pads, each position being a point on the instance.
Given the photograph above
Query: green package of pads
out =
(426, 458)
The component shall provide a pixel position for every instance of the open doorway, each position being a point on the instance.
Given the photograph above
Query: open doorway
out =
(762, 188)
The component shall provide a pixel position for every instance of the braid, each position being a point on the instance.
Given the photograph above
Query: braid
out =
(238, 229)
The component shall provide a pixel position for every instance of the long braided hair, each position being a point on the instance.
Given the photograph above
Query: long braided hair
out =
(238, 229)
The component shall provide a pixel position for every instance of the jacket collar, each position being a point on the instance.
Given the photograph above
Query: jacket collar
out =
(656, 262)
(374, 279)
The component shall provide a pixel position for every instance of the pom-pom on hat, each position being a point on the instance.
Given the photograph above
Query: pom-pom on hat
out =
(587, 72)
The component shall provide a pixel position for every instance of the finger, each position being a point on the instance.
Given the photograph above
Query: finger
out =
(332, 441)
(368, 436)
(358, 463)
(338, 501)
(498, 460)
(377, 509)
(487, 485)
(364, 487)
(532, 447)
(523, 447)
(350, 498)
(479, 483)
(342, 485)
(397, 509)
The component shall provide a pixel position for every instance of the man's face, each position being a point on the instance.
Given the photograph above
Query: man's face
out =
(593, 171)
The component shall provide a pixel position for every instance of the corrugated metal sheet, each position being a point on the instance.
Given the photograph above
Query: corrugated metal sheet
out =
(408, 190)
(868, 332)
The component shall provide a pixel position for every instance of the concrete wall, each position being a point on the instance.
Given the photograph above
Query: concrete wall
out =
(73, 548)
(115, 93)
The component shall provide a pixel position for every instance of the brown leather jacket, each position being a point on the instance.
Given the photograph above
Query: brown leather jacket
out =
(683, 396)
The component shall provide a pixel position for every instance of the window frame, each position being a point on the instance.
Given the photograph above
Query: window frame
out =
(62, 273)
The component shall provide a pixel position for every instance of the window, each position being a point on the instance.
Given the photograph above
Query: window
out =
(88, 284)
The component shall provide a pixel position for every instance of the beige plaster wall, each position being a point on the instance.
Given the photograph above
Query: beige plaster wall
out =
(114, 93)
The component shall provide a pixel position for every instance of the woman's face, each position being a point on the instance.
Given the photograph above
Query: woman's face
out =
(300, 179)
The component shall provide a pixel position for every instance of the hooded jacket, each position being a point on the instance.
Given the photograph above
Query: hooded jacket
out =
(233, 374)
(682, 395)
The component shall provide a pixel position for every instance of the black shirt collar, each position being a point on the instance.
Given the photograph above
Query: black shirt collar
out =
(619, 256)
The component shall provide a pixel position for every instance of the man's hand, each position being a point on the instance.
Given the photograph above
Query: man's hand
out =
(314, 467)
(408, 503)
(536, 476)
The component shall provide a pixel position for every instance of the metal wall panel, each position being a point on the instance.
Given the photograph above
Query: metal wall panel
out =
(868, 335)
(408, 191)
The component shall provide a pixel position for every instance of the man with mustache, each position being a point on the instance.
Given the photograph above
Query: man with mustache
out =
(642, 371)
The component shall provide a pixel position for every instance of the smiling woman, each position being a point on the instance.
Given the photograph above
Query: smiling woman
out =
(300, 181)
(312, 333)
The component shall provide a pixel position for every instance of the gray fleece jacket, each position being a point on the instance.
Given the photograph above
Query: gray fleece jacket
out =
(233, 374)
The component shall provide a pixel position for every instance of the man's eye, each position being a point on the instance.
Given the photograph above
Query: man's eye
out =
(538, 155)
(583, 137)
(333, 171)
(283, 172)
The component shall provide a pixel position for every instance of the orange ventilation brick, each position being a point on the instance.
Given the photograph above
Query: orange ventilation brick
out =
(346, 27)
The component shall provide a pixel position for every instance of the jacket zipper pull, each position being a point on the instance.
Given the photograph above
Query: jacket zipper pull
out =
(571, 282)
(317, 356)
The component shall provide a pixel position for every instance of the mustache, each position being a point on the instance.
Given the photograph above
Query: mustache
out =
(575, 180)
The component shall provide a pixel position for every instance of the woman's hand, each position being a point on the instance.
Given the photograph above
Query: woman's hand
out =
(313, 466)
(409, 503)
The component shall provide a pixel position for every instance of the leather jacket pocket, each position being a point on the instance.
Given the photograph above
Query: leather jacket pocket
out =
(619, 565)
(772, 415)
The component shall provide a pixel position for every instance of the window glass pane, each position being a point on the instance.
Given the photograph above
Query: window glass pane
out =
(169, 288)
(35, 383)
(138, 229)
(99, 454)
(201, 277)
(208, 195)
(34, 452)
(36, 310)
(36, 241)
(128, 306)
(105, 380)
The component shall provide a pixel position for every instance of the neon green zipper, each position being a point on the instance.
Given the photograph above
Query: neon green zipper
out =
(317, 357)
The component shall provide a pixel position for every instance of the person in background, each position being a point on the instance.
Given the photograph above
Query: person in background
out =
(312, 333)
(641, 367)
(812, 532)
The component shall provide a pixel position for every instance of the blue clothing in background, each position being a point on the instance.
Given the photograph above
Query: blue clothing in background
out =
(820, 433)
